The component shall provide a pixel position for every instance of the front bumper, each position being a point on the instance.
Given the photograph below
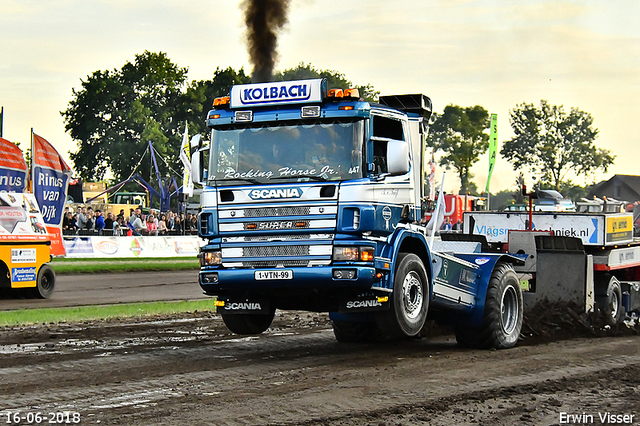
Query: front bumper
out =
(235, 281)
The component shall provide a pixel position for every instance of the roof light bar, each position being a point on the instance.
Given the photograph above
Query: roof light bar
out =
(221, 101)
(335, 93)
(352, 93)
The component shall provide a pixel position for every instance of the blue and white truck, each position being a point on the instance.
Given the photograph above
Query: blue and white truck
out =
(311, 201)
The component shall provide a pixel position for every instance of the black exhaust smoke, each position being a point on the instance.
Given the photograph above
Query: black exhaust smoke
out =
(264, 18)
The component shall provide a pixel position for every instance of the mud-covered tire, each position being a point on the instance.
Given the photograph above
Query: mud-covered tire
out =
(609, 299)
(45, 283)
(503, 313)
(355, 331)
(247, 324)
(409, 301)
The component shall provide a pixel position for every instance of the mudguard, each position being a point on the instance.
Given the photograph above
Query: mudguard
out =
(419, 246)
(486, 263)
(388, 255)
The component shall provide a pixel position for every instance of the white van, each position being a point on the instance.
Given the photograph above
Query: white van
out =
(550, 200)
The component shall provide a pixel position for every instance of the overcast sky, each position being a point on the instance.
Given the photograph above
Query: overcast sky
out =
(497, 54)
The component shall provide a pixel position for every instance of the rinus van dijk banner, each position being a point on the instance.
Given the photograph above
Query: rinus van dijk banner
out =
(50, 178)
(13, 169)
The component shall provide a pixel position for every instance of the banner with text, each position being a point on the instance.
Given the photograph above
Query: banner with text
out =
(493, 147)
(13, 169)
(50, 178)
(185, 157)
(133, 247)
(432, 178)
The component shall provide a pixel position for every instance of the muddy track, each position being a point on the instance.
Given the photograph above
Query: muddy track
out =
(190, 370)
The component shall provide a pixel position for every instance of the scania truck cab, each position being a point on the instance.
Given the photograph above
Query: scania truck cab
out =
(311, 201)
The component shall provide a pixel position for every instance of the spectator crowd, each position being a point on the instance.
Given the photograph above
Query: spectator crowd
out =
(85, 221)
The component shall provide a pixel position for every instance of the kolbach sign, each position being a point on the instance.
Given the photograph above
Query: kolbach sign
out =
(276, 93)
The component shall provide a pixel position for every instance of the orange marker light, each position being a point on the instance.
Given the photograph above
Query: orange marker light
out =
(366, 254)
(221, 101)
(335, 93)
(352, 93)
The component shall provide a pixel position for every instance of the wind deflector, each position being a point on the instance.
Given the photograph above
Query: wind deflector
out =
(416, 104)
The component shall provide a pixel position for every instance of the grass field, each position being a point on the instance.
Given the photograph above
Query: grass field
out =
(92, 266)
(105, 312)
(101, 266)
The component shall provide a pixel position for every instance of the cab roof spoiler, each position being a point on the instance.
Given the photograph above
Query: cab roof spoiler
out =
(416, 104)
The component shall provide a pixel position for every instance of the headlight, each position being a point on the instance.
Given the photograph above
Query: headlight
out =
(210, 258)
(353, 254)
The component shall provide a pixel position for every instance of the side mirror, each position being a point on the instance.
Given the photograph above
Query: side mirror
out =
(397, 157)
(196, 167)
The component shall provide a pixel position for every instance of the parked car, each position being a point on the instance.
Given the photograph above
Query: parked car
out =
(549, 200)
(516, 208)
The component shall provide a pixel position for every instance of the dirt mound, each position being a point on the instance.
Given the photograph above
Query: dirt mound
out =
(549, 321)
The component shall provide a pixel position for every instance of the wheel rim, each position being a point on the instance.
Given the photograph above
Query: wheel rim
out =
(509, 310)
(412, 295)
(45, 284)
(614, 303)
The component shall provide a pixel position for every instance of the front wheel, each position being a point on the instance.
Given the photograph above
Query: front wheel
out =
(409, 300)
(45, 283)
(503, 312)
(247, 324)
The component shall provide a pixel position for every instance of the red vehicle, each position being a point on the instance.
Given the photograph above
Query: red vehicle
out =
(455, 206)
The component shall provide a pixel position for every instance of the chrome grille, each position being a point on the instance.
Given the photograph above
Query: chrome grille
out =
(273, 235)
(274, 263)
(277, 237)
(269, 251)
(277, 211)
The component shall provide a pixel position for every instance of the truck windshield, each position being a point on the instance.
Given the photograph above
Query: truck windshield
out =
(318, 151)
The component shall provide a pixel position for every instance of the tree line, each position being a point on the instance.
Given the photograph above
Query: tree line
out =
(114, 114)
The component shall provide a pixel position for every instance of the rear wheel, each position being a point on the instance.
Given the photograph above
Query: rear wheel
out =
(503, 312)
(45, 283)
(409, 300)
(248, 323)
(609, 298)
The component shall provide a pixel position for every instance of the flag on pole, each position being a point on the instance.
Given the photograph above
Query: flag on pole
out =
(493, 147)
(432, 178)
(49, 180)
(13, 169)
(185, 156)
(437, 218)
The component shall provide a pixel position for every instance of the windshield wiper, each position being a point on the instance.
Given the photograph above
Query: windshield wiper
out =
(318, 178)
(217, 182)
(310, 177)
